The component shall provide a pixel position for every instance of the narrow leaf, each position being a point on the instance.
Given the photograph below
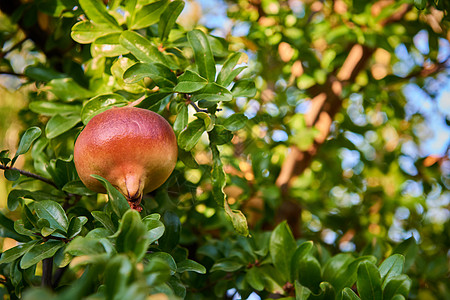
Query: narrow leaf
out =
(391, 267)
(40, 252)
(159, 73)
(105, 220)
(12, 254)
(189, 137)
(149, 14)
(172, 232)
(204, 58)
(190, 82)
(86, 32)
(226, 74)
(29, 136)
(190, 265)
(169, 18)
(369, 282)
(282, 247)
(141, 48)
(59, 124)
(117, 200)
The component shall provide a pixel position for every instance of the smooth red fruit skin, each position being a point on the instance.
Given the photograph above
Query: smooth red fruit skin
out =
(133, 148)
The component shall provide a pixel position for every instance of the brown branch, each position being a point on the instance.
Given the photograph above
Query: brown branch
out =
(29, 174)
(47, 270)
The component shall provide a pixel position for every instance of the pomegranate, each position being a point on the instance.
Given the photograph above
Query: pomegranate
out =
(133, 148)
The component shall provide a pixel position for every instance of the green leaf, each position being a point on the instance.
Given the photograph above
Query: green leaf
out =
(400, 284)
(391, 267)
(12, 174)
(227, 265)
(105, 220)
(53, 213)
(100, 104)
(220, 136)
(45, 231)
(86, 32)
(29, 136)
(244, 88)
(48, 108)
(12, 254)
(172, 232)
(118, 202)
(155, 228)
(204, 58)
(420, 4)
(15, 197)
(40, 252)
(153, 100)
(132, 235)
(75, 226)
(118, 274)
(21, 228)
(255, 279)
(409, 250)
(188, 159)
(300, 254)
(301, 292)
(166, 257)
(336, 266)
(7, 230)
(209, 124)
(149, 14)
(213, 93)
(182, 119)
(227, 74)
(190, 82)
(218, 179)
(156, 272)
(348, 277)
(190, 136)
(369, 282)
(41, 73)
(58, 124)
(348, 294)
(168, 18)
(190, 265)
(141, 48)
(96, 12)
(159, 73)
(108, 45)
(67, 89)
(90, 245)
(309, 273)
(78, 188)
(282, 247)
(235, 122)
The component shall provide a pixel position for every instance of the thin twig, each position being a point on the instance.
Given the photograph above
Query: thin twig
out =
(197, 109)
(29, 174)
(51, 237)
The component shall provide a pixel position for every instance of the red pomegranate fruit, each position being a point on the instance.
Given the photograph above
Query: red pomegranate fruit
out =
(133, 148)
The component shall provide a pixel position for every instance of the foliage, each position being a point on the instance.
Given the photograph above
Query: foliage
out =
(264, 198)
